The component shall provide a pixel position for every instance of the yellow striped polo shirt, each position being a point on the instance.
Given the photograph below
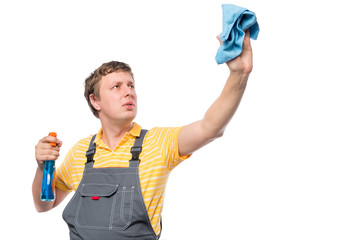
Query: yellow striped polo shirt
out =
(159, 156)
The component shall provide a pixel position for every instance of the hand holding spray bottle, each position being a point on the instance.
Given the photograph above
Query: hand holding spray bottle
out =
(48, 186)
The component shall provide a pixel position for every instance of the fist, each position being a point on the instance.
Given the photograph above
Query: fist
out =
(244, 62)
(45, 151)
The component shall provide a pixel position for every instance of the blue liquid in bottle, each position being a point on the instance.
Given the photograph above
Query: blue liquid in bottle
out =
(47, 193)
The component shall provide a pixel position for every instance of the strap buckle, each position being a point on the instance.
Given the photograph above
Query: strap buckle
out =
(90, 155)
(90, 152)
(135, 151)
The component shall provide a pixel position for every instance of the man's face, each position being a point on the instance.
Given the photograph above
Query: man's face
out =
(118, 100)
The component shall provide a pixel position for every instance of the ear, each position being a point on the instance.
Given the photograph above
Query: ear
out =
(94, 102)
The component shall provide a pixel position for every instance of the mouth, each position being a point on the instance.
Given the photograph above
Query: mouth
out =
(129, 105)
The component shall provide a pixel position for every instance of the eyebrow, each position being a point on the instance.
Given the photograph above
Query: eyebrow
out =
(117, 82)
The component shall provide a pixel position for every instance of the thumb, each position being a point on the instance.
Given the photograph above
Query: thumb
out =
(218, 37)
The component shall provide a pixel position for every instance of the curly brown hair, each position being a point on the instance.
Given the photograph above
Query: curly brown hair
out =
(92, 83)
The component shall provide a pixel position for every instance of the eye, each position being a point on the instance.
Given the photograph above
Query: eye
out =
(132, 86)
(116, 86)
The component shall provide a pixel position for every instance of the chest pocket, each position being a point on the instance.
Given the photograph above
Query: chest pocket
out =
(104, 206)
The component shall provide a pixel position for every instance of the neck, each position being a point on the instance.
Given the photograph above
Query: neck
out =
(112, 134)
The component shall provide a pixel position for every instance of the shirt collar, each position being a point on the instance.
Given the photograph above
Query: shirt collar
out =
(135, 131)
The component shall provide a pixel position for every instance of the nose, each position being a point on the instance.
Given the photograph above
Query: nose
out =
(130, 92)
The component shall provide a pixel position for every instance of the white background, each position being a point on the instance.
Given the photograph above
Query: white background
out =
(288, 164)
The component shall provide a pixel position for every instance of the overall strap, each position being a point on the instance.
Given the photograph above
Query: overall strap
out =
(137, 148)
(91, 152)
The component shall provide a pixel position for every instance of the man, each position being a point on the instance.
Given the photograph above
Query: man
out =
(120, 199)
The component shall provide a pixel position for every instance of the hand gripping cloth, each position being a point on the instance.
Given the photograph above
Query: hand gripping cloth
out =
(235, 21)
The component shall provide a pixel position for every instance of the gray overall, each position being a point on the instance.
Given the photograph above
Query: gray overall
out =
(108, 204)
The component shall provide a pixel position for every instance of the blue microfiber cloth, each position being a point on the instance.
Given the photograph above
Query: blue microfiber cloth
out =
(235, 21)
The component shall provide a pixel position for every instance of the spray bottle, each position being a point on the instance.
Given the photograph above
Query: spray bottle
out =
(48, 188)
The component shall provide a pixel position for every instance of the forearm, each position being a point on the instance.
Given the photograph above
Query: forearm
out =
(199, 133)
(223, 109)
(40, 206)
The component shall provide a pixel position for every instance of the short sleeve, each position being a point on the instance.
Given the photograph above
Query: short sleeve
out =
(168, 143)
(63, 172)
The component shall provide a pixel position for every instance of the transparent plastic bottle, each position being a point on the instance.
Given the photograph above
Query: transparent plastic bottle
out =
(48, 186)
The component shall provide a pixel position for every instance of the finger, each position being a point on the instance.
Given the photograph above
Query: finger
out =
(46, 158)
(48, 139)
(46, 146)
(51, 139)
(48, 151)
(47, 155)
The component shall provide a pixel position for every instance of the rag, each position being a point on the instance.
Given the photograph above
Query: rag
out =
(235, 21)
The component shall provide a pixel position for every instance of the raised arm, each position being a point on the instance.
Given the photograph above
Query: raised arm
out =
(199, 133)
